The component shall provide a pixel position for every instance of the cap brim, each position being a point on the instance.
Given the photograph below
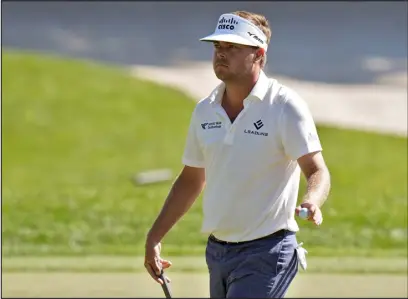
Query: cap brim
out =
(230, 38)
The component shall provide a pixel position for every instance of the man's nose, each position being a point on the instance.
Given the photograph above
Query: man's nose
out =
(221, 53)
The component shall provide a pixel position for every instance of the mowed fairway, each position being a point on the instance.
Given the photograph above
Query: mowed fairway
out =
(190, 285)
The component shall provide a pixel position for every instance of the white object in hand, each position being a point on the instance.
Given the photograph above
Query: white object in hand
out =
(304, 213)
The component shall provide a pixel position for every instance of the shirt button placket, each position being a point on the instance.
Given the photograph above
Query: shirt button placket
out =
(229, 137)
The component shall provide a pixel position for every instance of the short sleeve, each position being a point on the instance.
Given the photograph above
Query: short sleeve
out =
(298, 130)
(193, 155)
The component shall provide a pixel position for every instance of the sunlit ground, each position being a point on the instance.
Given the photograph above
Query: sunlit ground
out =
(190, 285)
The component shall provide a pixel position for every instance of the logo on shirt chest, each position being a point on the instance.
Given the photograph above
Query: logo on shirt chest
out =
(212, 125)
(258, 125)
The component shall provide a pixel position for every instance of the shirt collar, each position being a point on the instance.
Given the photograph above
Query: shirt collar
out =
(261, 87)
(259, 91)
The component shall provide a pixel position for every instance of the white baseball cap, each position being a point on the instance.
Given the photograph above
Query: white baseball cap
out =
(234, 29)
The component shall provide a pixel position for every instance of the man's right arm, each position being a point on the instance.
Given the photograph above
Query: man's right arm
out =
(182, 195)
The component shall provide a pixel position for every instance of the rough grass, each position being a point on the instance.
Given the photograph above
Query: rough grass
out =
(74, 133)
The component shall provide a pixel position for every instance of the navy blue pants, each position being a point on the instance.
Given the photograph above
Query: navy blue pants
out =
(261, 268)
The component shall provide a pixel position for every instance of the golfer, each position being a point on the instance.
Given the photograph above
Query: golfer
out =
(247, 144)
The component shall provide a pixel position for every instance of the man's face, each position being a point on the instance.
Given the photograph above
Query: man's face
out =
(232, 61)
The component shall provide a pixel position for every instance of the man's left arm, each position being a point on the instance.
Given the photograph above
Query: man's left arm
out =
(301, 143)
(317, 175)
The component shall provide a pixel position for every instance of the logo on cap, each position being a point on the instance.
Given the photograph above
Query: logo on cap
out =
(255, 37)
(227, 23)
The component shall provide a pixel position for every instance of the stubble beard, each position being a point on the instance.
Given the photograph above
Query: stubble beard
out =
(223, 74)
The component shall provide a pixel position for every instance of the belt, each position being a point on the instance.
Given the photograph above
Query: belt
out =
(279, 233)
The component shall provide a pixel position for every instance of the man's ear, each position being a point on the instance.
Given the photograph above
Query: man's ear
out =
(259, 53)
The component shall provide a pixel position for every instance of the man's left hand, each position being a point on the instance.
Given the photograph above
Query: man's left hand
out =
(315, 214)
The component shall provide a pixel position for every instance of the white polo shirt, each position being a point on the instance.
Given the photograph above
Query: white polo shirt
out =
(252, 176)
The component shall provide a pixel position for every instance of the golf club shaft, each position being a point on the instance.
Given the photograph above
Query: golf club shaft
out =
(165, 285)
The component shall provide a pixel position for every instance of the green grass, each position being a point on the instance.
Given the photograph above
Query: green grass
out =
(191, 285)
(75, 132)
(107, 264)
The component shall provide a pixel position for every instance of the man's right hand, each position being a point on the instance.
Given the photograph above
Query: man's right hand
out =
(153, 262)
